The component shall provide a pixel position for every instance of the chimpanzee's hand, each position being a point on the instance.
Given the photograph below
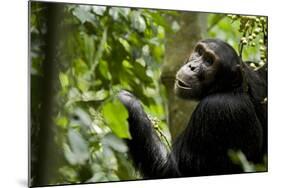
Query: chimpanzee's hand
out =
(130, 101)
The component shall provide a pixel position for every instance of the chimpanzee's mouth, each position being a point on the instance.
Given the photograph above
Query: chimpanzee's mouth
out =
(182, 84)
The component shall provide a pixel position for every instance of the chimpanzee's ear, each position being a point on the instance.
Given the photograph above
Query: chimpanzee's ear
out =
(238, 75)
(240, 68)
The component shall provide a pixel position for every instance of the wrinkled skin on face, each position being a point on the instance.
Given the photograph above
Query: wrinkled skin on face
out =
(212, 67)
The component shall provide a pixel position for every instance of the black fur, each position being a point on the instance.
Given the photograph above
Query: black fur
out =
(228, 118)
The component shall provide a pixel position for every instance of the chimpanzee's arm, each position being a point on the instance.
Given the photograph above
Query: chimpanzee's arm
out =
(149, 154)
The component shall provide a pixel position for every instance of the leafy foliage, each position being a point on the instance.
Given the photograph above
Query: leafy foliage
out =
(103, 50)
(109, 48)
(239, 158)
(250, 37)
(116, 123)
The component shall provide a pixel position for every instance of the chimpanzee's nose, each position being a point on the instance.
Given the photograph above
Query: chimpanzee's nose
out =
(192, 67)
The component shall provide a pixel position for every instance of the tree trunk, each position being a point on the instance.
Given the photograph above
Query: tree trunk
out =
(45, 170)
(178, 48)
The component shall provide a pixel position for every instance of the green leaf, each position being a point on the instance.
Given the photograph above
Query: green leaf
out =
(83, 117)
(98, 177)
(73, 94)
(140, 72)
(126, 64)
(239, 158)
(89, 47)
(69, 155)
(214, 19)
(94, 96)
(113, 177)
(125, 44)
(83, 85)
(83, 14)
(110, 162)
(138, 21)
(159, 19)
(63, 80)
(116, 116)
(99, 10)
(100, 50)
(124, 12)
(103, 68)
(114, 13)
(79, 153)
(62, 121)
(80, 67)
(115, 143)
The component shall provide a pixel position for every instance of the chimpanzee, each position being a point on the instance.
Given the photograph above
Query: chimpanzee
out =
(231, 115)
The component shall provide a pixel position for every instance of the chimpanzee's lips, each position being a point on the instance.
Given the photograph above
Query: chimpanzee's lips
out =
(183, 85)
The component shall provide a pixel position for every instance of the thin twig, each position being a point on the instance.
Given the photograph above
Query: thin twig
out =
(163, 136)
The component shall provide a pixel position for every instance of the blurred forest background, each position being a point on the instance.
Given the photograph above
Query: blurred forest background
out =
(82, 55)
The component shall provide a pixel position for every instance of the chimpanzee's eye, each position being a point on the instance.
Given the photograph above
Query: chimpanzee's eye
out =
(208, 60)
